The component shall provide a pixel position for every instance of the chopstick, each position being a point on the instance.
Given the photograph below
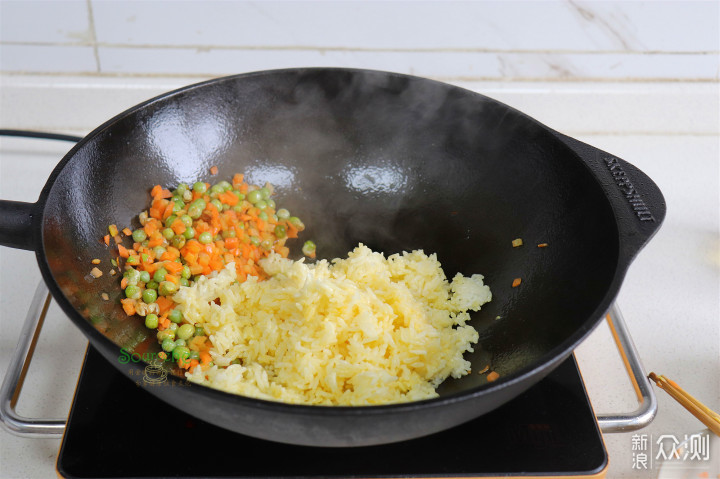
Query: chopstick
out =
(706, 415)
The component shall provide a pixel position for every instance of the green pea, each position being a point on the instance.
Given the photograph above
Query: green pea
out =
(180, 352)
(265, 192)
(228, 234)
(266, 244)
(168, 233)
(205, 237)
(168, 345)
(263, 216)
(200, 203)
(132, 291)
(151, 321)
(187, 220)
(261, 205)
(255, 240)
(139, 235)
(149, 296)
(180, 342)
(194, 355)
(185, 272)
(178, 241)
(271, 203)
(173, 327)
(308, 248)
(194, 212)
(170, 220)
(254, 196)
(217, 204)
(144, 276)
(159, 250)
(185, 331)
(176, 316)
(167, 288)
(296, 222)
(239, 195)
(181, 189)
(184, 282)
(280, 231)
(200, 187)
(132, 275)
(159, 275)
(189, 232)
(152, 284)
(225, 185)
(199, 331)
(178, 206)
(165, 334)
(283, 214)
(217, 188)
(237, 208)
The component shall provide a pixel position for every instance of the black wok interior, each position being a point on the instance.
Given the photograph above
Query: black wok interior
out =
(394, 162)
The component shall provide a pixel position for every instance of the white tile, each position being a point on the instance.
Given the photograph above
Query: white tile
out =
(453, 64)
(47, 59)
(488, 25)
(79, 104)
(35, 21)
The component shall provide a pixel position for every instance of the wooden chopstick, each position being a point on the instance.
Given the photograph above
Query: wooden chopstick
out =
(706, 415)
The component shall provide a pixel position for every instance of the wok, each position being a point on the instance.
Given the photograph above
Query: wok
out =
(393, 161)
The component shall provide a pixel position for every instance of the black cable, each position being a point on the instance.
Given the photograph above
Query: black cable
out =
(40, 134)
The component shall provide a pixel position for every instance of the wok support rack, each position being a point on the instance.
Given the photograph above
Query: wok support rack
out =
(55, 428)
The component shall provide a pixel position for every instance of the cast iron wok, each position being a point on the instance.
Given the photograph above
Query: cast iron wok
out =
(393, 161)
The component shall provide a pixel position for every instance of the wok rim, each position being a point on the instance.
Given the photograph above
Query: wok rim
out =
(545, 364)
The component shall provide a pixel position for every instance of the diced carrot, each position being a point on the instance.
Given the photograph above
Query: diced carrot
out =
(165, 304)
(106, 239)
(173, 267)
(196, 269)
(159, 192)
(128, 306)
(178, 226)
(168, 210)
(123, 251)
(170, 255)
(492, 376)
(150, 228)
(516, 282)
(214, 170)
(216, 264)
(155, 213)
(127, 231)
(172, 278)
(155, 240)
(124, 283)
(205, 358)
(228, 198)
(237, 180)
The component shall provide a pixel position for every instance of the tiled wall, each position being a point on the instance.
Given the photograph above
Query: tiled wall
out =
(488, 40)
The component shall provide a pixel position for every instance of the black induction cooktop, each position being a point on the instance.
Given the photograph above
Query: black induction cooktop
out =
(117, 429)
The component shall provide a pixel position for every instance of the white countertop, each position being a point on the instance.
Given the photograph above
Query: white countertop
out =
(670, 298)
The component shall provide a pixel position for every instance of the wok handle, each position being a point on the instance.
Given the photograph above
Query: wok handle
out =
(15, 375)
(16, 218)
(647, 408)
(637, 202)
(16, 224)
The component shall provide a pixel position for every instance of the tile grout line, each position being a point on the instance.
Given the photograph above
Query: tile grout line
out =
(203, 47)
(93, 35)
